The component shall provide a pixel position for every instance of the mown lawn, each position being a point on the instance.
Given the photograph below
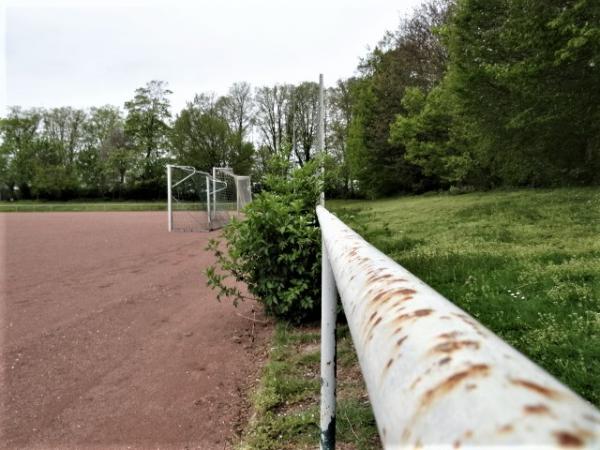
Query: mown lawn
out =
(526, 263)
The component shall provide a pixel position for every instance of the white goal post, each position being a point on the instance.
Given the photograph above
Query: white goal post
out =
(199, 201)
(229, 201)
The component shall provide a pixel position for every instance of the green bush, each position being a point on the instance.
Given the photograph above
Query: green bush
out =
(275, 249)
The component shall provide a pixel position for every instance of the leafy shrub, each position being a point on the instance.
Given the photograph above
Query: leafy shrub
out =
(275, 249)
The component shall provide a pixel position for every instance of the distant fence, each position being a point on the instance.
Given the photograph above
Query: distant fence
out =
(435, 376)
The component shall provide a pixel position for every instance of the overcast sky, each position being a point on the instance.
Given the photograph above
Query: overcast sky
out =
(84, 53)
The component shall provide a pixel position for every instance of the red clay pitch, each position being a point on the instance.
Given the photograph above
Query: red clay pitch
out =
(111, 339)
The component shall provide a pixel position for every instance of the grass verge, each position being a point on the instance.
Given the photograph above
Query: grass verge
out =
(33, 206)
(286, 403)
(525, 263)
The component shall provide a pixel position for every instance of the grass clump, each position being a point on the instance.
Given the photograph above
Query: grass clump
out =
(286, 403)
(525, 263)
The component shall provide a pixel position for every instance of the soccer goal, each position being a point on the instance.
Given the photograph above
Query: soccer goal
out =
(229, 200)
(199, 201)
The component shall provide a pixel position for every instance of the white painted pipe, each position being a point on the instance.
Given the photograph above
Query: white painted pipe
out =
(435, 376)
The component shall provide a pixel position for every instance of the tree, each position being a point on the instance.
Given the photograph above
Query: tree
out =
(201, 136)
(340, 103)
(102, 125)
(242, 159)
(64, 126)
(238, 110)
(147, 126)
(52, 177)
(433, 134)
(120, 157)
(526, 75)
(402, 60)
(304, 105)
(272, 105)
(19, 132)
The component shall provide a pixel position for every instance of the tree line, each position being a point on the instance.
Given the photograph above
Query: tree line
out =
(480, 94)
(464, 94)
(109, 152)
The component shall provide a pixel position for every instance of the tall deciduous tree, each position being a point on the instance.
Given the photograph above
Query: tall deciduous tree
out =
(238, 108)
(147, 125)
(526, 74)
(96, 176)
(272, 108)
(64, 127)
(304, 106)
(120, 157)
(403, 59)
(340, 103)
(18, 132)
(201, 136)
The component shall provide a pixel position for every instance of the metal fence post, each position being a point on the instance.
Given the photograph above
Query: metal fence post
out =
(328, 351)
(321, 136)
(169, 197)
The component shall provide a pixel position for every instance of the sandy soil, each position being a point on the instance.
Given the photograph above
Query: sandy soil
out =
(110, 338)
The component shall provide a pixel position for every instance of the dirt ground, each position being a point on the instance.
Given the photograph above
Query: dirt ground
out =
(110, 338)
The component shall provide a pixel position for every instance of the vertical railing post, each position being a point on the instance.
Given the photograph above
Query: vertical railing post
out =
(321, 136)
(328, 351)
(169, 198)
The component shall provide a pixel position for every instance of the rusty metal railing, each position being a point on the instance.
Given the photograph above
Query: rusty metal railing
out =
(435, 376)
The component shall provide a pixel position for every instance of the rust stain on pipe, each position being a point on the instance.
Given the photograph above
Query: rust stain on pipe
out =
(546, 392)
(477, 370)
(374, 278)
(450, 335)
(537, 409)
(452, 346)
(414, 383)
(385, 295)
(401, 341)
(567, 439)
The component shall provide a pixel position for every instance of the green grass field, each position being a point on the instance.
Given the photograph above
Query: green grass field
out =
(525, 263)
(38, 206)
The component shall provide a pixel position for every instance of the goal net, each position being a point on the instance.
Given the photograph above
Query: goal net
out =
(229, 200)
(188, 198)
(197, 201)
